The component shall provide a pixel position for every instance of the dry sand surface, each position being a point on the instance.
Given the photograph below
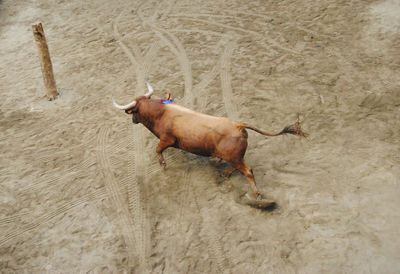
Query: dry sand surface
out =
(81, 190)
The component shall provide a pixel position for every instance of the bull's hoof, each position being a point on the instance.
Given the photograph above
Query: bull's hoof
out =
(260, 202)
(163, 164)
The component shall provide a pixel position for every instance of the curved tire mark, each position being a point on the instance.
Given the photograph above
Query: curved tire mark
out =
(136, 173)
(209, 32)
(263, 37)
(207, 78)
(52, 180)
(13, 218)
(226, 78)
(177, 48)
(127, 225)
(199, 88)
(150, 55)
(226, 26)
(214, 244)
(39, 221)
(165, 13)
(133, 59)
(136, 163)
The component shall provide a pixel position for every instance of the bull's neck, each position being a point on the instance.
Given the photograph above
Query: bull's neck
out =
(147, 122)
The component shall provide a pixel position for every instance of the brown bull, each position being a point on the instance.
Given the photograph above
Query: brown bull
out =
(198, 133)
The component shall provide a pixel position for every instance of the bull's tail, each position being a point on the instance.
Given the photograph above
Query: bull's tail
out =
(294, 129)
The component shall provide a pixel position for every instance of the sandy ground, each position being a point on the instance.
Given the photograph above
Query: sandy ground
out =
(81, 190)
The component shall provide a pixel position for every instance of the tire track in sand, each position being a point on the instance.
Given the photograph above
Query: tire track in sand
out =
(136, 161)
(177, 48)
(207, 78)
(150, 55)
(137, 171)
(133, 59)
(263, 37)
(221, 25)
(214, 244)
(202, 97)
(48, 216)
(53, 180)
(164, 13)
(126, 223)
(179, 51)
(13, 218)
(226, 79)
(215, 249)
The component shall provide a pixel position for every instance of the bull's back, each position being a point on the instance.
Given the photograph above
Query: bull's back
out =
(200, 133)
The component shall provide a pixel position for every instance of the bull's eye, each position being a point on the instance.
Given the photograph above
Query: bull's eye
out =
(130, 111)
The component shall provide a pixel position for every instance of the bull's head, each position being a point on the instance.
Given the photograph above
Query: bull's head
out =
(133, 108)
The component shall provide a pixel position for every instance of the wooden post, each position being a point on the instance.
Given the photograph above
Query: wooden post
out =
(47, 68)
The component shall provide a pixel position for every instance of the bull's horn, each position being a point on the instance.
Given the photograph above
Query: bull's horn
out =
(128, 106)
(148, 94)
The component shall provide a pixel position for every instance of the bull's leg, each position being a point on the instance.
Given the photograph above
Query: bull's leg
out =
(248, 173)
(218, 160)
(162, 145)
(227, 173)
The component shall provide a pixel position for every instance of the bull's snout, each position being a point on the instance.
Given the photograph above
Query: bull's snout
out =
(134, 120)
(130, 111)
